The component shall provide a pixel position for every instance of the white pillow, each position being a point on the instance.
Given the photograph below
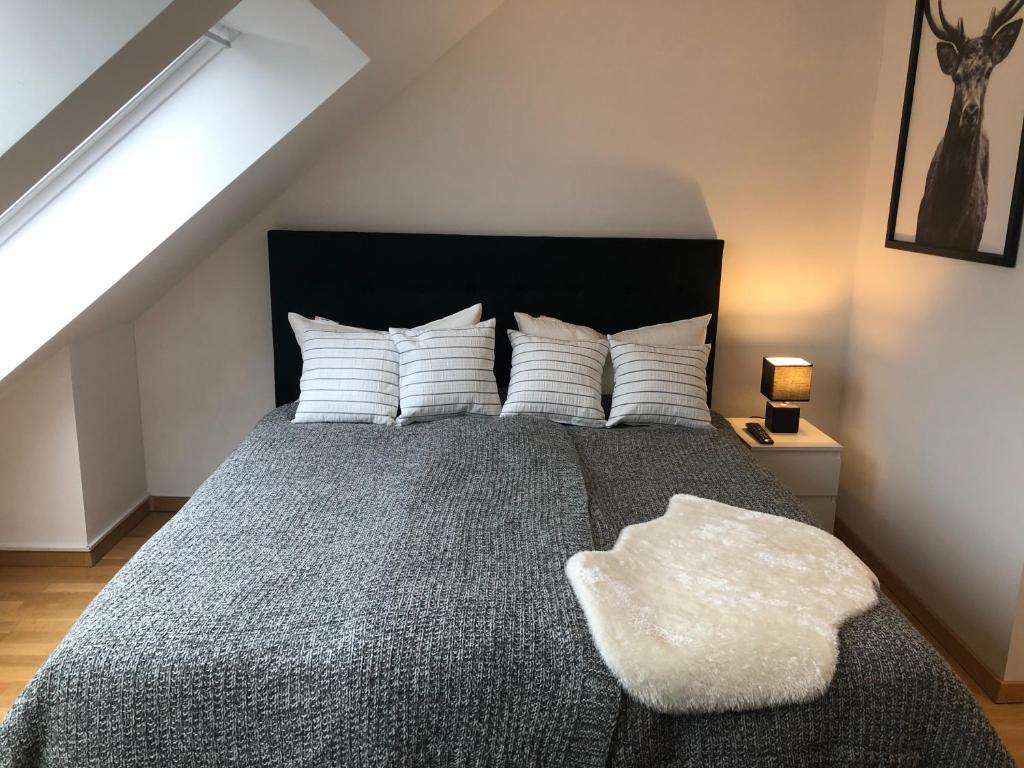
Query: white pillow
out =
(681, 333)
(347, 375)
(553, 328)
(660, 385)
(302, 324)
(556, 380)
(464, 318)
(446, 372)
(350, 374)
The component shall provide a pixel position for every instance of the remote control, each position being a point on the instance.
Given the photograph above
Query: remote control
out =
(759, 433)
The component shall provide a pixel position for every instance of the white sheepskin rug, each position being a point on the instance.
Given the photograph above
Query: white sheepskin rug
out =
(712, 608)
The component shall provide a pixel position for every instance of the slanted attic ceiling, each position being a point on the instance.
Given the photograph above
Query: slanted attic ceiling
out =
(401, 38)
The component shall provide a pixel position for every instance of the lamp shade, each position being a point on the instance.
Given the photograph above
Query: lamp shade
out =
(786, 379)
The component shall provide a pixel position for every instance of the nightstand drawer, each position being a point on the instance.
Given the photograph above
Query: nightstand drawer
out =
(804, 473)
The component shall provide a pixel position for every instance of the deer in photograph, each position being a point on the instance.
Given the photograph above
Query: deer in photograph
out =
(955, 202)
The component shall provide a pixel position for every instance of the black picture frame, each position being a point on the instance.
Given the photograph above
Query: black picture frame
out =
(1008, 258)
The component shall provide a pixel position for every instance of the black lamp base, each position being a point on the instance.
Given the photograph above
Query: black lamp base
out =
(782, 417)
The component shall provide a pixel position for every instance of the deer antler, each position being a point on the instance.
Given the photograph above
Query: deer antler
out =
(1000, 18)
(955, 35)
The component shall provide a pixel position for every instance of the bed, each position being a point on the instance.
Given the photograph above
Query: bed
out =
(362, 595)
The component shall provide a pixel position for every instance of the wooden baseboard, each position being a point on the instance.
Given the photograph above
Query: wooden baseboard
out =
(1011, 692)
(83, 558)
(1000, 691)
(50, 558)
(118, 532)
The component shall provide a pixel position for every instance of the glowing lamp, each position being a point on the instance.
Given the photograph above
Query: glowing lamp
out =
(785, 380)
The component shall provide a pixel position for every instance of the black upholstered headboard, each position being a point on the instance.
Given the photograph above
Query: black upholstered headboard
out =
(377, 280)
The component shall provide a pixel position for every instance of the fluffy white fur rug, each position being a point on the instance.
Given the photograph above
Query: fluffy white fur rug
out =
(712, 608)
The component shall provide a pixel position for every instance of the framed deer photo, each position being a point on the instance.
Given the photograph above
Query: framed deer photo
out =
(958, 189)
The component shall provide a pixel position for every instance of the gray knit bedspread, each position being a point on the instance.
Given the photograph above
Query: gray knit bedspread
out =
(367, 596)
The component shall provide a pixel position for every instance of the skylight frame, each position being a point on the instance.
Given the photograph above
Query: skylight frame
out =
(116, 127)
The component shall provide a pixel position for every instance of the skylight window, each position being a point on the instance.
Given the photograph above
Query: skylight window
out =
(116, 127)
(160, 161)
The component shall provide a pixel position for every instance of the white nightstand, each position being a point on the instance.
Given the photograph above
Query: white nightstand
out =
(806, 463)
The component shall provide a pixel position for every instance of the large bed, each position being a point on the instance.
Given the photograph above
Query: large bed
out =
(364, 595)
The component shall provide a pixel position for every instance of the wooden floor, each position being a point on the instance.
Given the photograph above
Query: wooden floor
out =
(39, 605)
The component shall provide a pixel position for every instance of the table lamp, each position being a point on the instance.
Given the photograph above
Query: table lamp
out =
(785, 380)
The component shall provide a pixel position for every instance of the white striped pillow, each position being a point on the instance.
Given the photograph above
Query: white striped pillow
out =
(447, 372)
(464, 318)
(660, 385)
(556, 380)
(347, 375)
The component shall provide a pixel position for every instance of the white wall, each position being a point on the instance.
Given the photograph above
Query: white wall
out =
(683, 119)
(203, 352)
(71, 457)
(932, 417)
(41, 503)
(109, 427)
